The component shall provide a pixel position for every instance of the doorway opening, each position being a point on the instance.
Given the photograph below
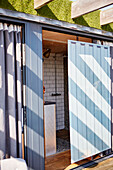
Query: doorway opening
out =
(55, 84)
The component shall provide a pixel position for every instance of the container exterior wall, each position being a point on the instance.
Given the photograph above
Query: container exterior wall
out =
(111, 54)
(89, 99)
(34, 97)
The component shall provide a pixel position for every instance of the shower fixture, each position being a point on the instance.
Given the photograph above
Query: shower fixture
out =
(46, 54)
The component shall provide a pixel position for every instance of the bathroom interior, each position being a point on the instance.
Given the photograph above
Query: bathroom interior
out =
(55, 85)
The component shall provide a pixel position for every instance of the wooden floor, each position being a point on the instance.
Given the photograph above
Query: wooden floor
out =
(62, 161)
(104, 165)
(58, 162)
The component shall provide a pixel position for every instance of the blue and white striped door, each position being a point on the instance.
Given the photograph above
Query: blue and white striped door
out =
(89, 99)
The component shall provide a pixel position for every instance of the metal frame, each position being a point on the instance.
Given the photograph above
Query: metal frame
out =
(56, 25)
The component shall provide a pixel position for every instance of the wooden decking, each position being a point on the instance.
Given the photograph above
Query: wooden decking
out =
(104, 165)
(58, 161)
(62, 161)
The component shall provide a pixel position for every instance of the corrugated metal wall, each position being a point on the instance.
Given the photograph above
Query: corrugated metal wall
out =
(89, 99)
(34, 97)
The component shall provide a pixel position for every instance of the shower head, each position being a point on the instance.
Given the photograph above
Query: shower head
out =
(46, 54)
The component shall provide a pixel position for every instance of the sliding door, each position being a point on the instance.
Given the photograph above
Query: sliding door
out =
(89, 99)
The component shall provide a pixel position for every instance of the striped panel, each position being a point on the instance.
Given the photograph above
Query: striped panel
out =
(89, 99)
(34, 97)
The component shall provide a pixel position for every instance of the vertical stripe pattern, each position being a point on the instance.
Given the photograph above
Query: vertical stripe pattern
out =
(89, 99)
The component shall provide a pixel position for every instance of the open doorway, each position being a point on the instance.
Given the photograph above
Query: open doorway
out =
(56, 83)
(55, 73)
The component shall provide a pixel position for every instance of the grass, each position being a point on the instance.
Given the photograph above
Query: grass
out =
(57, 9)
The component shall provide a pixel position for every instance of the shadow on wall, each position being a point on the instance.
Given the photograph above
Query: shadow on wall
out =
(61, 10)
(26, 6)
(5, 4)
(46, 12)
(57, 9)
(108, 27)
(91, 19)
(81, 21)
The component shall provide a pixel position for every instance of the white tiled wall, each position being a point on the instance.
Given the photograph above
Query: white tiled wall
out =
(49, 83)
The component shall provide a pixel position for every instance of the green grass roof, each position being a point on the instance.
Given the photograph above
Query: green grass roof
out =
(57, 9)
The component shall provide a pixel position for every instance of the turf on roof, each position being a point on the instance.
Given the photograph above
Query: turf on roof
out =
(57, 9)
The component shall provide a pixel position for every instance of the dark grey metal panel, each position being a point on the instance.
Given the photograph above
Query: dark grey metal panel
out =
(34, 97)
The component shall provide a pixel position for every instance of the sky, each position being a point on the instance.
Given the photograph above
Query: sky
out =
(108, 7)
